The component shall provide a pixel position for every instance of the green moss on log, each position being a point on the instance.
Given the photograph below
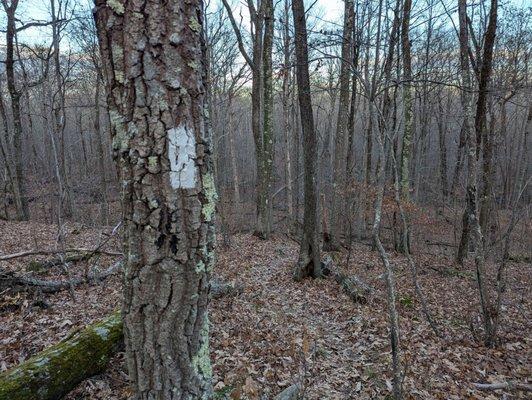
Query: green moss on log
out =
(57, 370)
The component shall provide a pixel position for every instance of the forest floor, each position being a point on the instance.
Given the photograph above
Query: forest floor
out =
(278, 332)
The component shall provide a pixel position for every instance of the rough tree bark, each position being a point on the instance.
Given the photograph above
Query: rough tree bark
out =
(309, 262)
(153, 57)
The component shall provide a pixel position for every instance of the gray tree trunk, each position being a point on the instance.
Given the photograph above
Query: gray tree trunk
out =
(59, 117)
(407, 103)
(470, 218)
(340, 148)
(309, 263)
(18, 181)
(286, 115)
(104, 201)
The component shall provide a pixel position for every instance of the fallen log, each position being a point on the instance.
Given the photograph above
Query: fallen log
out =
(357, 290)
(10, 280)
(510, 385)
(292, 392)
(18, 282)
(219, 289)
(55, 371)
(38, 266)
(27, 253)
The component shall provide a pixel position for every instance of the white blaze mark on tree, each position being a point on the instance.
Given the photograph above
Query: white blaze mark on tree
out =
(182, 155)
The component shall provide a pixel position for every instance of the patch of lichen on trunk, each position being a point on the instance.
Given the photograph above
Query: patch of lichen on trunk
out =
(209, 188)
(201, 360)
(55, 371)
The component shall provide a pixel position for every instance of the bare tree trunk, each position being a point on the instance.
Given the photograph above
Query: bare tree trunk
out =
(262, 21)
(442, 128)
(59, 114)
(286, 115)
(407, 103)
(480, 125)
(104, 201)
(153, 56)
(309, 262)
(265, 186)
(79, 126)
(390, 281)
(459, 159)
(234, 166)
(18, 181)
(350, 163)
(9, 170)
(471, 210)
(487, 177)
(340, 151)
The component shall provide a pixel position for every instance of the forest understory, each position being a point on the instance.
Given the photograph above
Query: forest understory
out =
(278, 332)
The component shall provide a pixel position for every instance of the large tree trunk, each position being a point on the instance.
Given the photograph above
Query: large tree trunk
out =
(51, 374)
(309, 263)
(153, 58)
